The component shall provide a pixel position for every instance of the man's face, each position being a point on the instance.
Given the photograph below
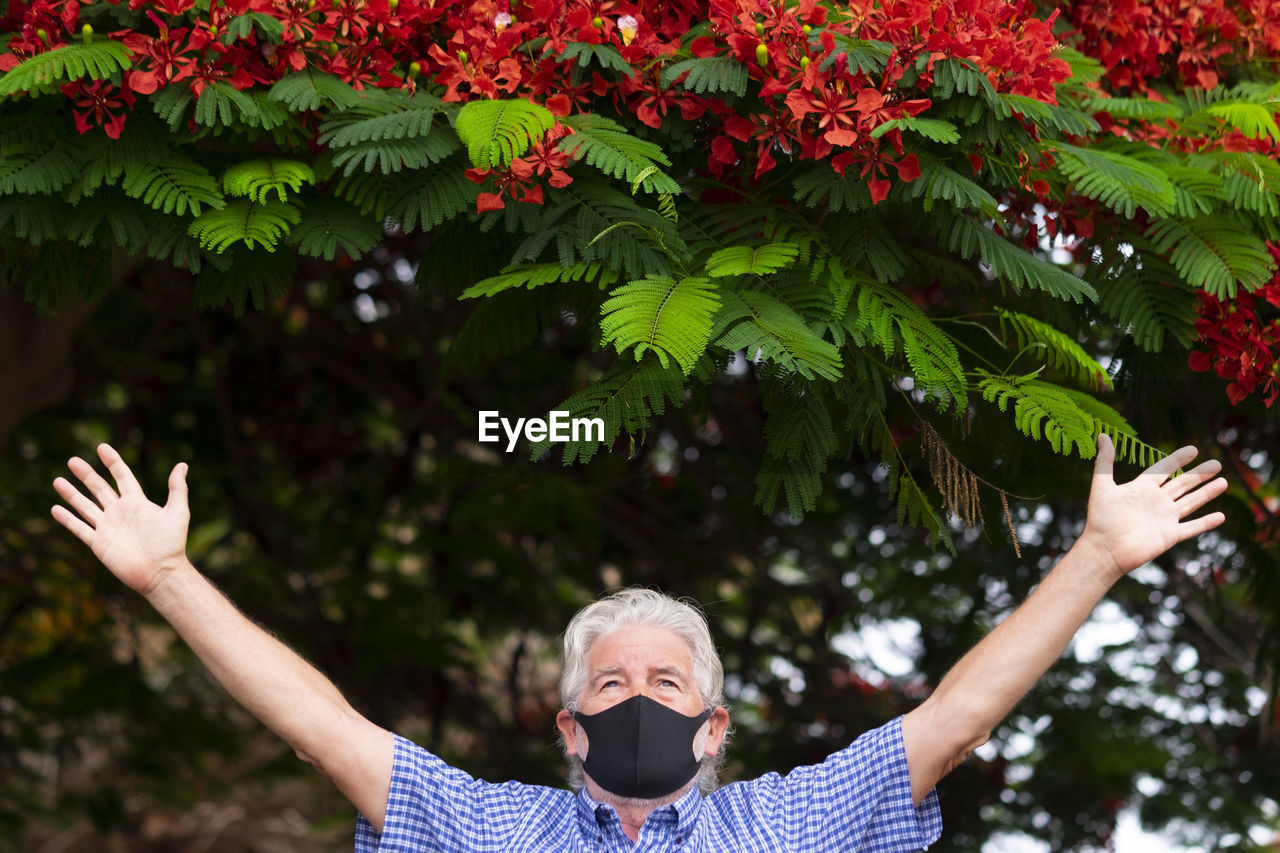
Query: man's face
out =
(641, 660)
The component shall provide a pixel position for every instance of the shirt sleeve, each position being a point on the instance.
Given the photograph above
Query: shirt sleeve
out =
(859, 799)
(434, 807)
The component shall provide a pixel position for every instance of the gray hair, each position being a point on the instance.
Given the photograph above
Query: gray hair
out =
(639, 606)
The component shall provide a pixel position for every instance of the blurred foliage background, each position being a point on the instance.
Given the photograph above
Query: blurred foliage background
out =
(340, 498)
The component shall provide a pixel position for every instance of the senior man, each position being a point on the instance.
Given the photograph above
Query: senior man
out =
(644, 721)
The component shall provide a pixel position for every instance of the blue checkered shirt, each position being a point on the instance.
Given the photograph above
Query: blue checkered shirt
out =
(859, 799)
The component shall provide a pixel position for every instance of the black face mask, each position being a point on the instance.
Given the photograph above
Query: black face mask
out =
(640, 748)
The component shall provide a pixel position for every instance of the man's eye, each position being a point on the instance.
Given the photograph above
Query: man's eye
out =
(667, 682)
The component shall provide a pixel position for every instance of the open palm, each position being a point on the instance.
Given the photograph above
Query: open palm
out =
(1134, 522)
(136, 539)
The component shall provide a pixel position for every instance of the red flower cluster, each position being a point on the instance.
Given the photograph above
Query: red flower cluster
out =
(1141, 41)
(1239, 344)
(543, 159)
(817, 105)
(572, 55)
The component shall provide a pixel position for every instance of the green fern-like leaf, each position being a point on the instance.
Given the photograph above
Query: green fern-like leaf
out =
(427, 199)
(933, 129)
(498, 328)
(796, 479)
(800, 439)
(1215, 254)
(953, 76)
(880, 439)
(864, 240)
(1195, 190)
(1149, 302)
(939, 182)
(175, 184)
(380, 116)
(244, 222)
(605, 144)
(310, 89)
(1253, 120)
(799, 425)
(241, 26)
(1066, 119)
(171, 103)
(110, 221)
(394, 155)
(1121, 182)
(1042, 411)
(107, 159)
(669, 316)
(860, 56)
(752, 260)
(1250, 181)
(816, 185)
(772, 331)
(535, 275)
(256, 179)
(1129, 448)
(329, 225)
(222, 105)
(40, 166)
(33, 219)
(1011, 263)
(1060, 351)
(97, 60)
(610, 227)
(497, 132)
(255, 277)
(583, 53)
(1142, 109)
(626, 398)
(886, 317)
(707, 74)
(168, 240)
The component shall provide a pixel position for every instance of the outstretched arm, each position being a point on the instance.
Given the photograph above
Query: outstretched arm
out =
(1127, 525)
(144, 545)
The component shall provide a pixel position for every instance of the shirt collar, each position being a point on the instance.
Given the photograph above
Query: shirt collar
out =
(592, 815)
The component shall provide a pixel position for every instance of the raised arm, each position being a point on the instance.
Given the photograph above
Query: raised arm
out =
(1127, 526)
(144, 545)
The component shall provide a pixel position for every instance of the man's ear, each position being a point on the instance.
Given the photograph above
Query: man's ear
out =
(719, 724)
(569, 730)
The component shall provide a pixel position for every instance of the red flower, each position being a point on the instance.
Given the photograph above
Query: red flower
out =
(166, 58)
(1238, 344)
(96, 104)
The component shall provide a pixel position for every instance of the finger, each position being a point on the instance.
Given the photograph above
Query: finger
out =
(1167, 466)
(98, 487)
(1192, 501)
(1196, 526)
(87, 509)
(1104, 461)
(177, 486)
(119, 470)
(82, 531)
(1197, 476)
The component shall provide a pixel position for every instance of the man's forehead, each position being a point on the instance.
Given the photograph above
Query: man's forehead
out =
(645, 646)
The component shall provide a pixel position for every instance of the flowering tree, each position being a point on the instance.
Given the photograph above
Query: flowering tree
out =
(908, 216)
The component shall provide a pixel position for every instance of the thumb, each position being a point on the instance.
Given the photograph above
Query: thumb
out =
(1104, 461)
(177, 486)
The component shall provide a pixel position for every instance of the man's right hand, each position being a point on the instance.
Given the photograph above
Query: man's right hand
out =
(144, 545)
(136, 539)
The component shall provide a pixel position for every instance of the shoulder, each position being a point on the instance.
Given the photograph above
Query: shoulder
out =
(433, 803)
